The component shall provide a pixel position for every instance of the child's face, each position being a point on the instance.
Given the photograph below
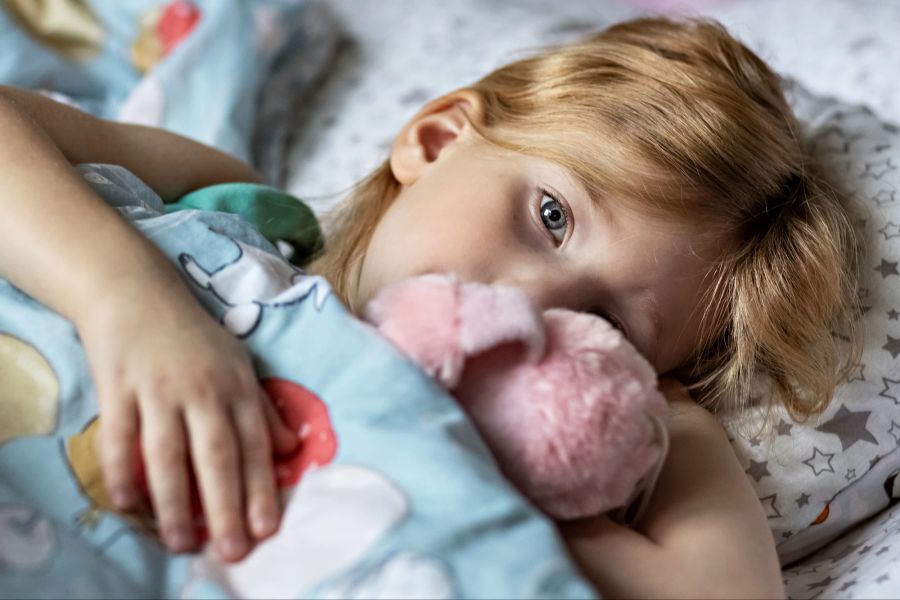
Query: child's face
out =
(494, 216)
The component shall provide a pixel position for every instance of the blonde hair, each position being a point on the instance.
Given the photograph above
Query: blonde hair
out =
(679, 118)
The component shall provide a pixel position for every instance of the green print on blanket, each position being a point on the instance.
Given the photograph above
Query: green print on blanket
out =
(393, 493)
(275, 214)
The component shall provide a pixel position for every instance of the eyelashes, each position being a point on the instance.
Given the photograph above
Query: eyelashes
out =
(615, 322)
(555, 216)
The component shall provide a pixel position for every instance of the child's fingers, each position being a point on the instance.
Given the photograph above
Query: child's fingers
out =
(259, 477)
(284, 439)
(118, 431)
(217, 466)
(165, 459)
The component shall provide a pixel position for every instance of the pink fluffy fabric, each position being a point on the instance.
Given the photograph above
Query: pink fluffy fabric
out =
(439, 323)
(564, 401)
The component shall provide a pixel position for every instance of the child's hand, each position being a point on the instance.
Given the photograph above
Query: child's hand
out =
(168, 371)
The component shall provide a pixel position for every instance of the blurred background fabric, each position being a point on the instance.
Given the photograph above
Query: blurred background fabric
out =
(225, 73)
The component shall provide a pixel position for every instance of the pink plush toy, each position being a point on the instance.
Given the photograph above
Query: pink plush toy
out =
(569, 408)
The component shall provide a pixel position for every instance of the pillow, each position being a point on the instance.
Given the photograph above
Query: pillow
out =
(842, 48)
(819, 478)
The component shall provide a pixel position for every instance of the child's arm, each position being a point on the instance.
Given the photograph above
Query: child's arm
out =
(170, 164)
(160, 363)
(703, 535)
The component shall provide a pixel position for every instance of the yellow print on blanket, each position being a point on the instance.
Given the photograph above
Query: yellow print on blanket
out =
(29, 390)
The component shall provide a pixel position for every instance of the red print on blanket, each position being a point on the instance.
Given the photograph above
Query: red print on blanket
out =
(305, 413)
(302, 411)
(160, 30)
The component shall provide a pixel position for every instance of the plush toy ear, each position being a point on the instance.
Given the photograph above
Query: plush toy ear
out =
(418, 316)
(441, 323)
(494, 316)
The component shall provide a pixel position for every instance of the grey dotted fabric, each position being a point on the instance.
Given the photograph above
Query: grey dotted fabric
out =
(828, 486)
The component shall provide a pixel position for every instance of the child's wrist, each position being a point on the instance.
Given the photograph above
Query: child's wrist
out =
(143, 291)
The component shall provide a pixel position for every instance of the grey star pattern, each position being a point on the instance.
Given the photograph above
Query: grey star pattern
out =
(891, 230)
(831, 141)
(849, 426)
(758, 470)
(891, 389)
(785, 535)
(845, 552)
(857, 373)
(768, 503)
(754, 441)
(803, 500)
(850, 475)
(885, 197)
(865, 549)
(878, 169)
(848, 585)
(821, 584)
(882, 550)
(893, 315)
(895, 431)
(892, 346)
(887, 269)
(882, 578)
(815, 462)
(784, 428)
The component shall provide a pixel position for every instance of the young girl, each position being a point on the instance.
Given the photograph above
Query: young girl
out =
(651, 174)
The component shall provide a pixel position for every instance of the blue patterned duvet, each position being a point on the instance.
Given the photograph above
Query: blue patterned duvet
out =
(396, 496)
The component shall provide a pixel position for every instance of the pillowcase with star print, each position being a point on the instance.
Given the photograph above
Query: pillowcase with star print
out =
(818, 479)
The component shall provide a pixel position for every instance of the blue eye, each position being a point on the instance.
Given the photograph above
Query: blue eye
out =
(554, 217)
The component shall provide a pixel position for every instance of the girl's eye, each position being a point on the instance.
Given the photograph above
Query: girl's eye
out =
(616, 323)
(554, 217)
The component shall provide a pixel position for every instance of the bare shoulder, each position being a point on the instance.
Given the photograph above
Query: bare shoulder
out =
(704, 523)
(705, 507)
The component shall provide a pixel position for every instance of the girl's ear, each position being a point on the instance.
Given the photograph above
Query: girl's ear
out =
(440, 123)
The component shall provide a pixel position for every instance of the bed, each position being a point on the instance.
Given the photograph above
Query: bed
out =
(831, 498)
(338, 78)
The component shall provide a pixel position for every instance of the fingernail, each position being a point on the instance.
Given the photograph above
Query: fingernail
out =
(263, 524)
(179, 539)
(231, 547)
(122, 498)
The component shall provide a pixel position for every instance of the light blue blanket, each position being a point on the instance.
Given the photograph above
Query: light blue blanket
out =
(227, 73)
(405, 499)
